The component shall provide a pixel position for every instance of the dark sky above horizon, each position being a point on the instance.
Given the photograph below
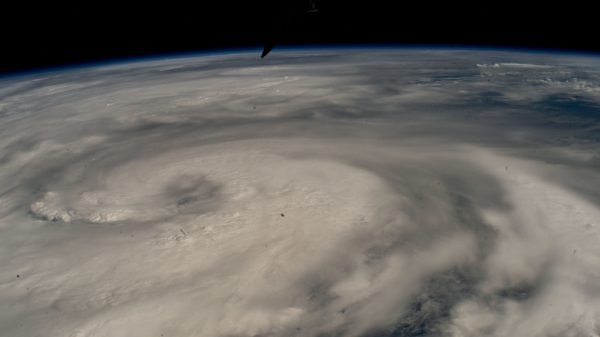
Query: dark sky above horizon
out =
(50, 35)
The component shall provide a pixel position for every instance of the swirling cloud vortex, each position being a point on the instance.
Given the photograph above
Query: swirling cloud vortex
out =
(326, 193)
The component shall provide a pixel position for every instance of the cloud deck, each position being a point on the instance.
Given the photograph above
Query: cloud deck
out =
(413, 193)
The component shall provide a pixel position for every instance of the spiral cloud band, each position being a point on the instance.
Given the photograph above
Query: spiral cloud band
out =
(325, 193)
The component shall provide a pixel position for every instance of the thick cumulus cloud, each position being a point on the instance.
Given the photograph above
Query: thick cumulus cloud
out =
(391, 193)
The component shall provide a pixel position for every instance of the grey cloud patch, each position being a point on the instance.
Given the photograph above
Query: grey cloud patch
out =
(425, 193)
(571, 109)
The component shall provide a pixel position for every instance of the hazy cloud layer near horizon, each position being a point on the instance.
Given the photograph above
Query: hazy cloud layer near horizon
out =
(390, 193)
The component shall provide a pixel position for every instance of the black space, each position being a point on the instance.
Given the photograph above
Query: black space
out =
(50, 35)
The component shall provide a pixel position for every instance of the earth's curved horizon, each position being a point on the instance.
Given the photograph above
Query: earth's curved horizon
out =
(322, 192)
(293, 49)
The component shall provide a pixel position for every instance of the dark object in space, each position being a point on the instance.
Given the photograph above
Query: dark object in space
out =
(285, 18)
(312, 4)
(266, 49)
(282, 215)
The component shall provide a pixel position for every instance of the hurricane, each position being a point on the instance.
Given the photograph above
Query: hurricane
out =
(392, 192)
